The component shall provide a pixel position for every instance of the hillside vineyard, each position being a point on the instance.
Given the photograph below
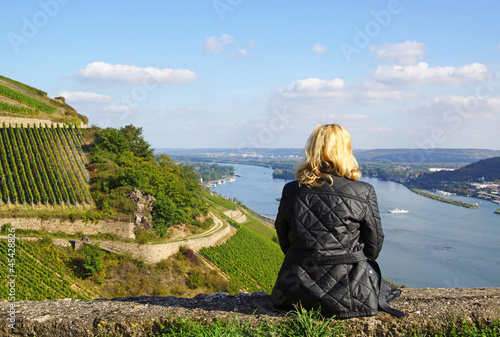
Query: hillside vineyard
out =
(43, 165)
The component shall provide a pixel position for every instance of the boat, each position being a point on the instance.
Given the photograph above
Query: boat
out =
(397, 210)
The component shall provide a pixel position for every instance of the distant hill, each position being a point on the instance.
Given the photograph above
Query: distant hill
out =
(19, 102)
(378, 155)
(425, 156)
(489, 169)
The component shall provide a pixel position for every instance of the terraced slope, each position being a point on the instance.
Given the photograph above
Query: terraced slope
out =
(18, 100)
(37, 278)
(43, 165)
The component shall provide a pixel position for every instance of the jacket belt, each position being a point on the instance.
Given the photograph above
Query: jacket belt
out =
(353, 257)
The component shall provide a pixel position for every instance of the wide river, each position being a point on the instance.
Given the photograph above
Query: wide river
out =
(433, 245)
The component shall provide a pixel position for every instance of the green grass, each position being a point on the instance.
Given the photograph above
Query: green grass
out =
(459, 328)
(220, 200)
(258, 227)
(40, 273)
(249, 258)
(298, 323)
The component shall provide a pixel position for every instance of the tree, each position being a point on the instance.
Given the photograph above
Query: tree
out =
(92, 255)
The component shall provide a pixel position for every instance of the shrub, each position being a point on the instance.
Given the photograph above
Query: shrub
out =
(195, 279)
(191, 256)
(163, 265)
(92, 259)
(6, 228)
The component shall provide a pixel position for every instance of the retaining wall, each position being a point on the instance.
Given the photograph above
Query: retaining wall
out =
(154, 253)
(29, 121)
(122, 229)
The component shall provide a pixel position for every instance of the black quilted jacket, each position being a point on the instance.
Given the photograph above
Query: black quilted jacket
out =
(331, 236)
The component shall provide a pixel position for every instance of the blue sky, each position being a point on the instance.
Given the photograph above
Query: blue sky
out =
(241, 73)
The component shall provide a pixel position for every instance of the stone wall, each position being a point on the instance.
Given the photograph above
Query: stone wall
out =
(122, 229)
(154, 253)
(428, 312)
(30, 121)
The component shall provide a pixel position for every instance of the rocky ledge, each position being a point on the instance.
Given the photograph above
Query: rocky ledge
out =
(426, 310)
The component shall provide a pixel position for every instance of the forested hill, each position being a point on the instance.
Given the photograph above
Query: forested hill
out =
(425, 155)
(18, 100)
(489, 169)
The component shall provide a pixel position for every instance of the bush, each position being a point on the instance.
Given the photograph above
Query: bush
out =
(145, 236)
(195, 279)
(92, 259)
(6, 228)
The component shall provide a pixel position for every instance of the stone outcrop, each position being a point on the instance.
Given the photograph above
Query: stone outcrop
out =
(144, 205)
(427, 312)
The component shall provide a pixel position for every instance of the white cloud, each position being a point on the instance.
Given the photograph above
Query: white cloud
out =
(80, 96)
(216, 45)
(335, 92)
(464, 106)
(251, 43)
(422, 74)
(315, 85)
(119, 74)
(406, 53)
(319, 49)
(239, 53)
(116, 108)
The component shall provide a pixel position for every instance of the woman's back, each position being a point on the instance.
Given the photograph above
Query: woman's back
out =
(326, 220)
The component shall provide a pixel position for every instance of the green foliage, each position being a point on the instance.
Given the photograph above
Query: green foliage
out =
(145, 236)
(122, 161)
(301, 323)
(310, 323)
(6, 228)
(456, 327)
(248, 257)
(25, 99)
(489, 169)
(111, 143)
(92, 259)
(42, 165)
(211, 172)
(195, 279)
(24, 86)
(438, 198)
(217, 199)
(16, 109)
(41, 273)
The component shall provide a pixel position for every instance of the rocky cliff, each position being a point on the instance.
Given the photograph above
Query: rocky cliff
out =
(427, 310)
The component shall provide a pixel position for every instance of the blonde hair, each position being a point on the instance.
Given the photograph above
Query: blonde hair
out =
(328, 151)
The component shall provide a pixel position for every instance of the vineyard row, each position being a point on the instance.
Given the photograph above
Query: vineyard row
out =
(43, 165)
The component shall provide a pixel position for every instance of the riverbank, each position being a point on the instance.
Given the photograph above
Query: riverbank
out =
(438, 198)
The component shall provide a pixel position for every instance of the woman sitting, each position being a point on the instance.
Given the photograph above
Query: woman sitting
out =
(329, 228)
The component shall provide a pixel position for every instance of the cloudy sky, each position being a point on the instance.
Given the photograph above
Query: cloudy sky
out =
(254, 73)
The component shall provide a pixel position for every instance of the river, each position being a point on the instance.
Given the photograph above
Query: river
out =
(433, 245)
